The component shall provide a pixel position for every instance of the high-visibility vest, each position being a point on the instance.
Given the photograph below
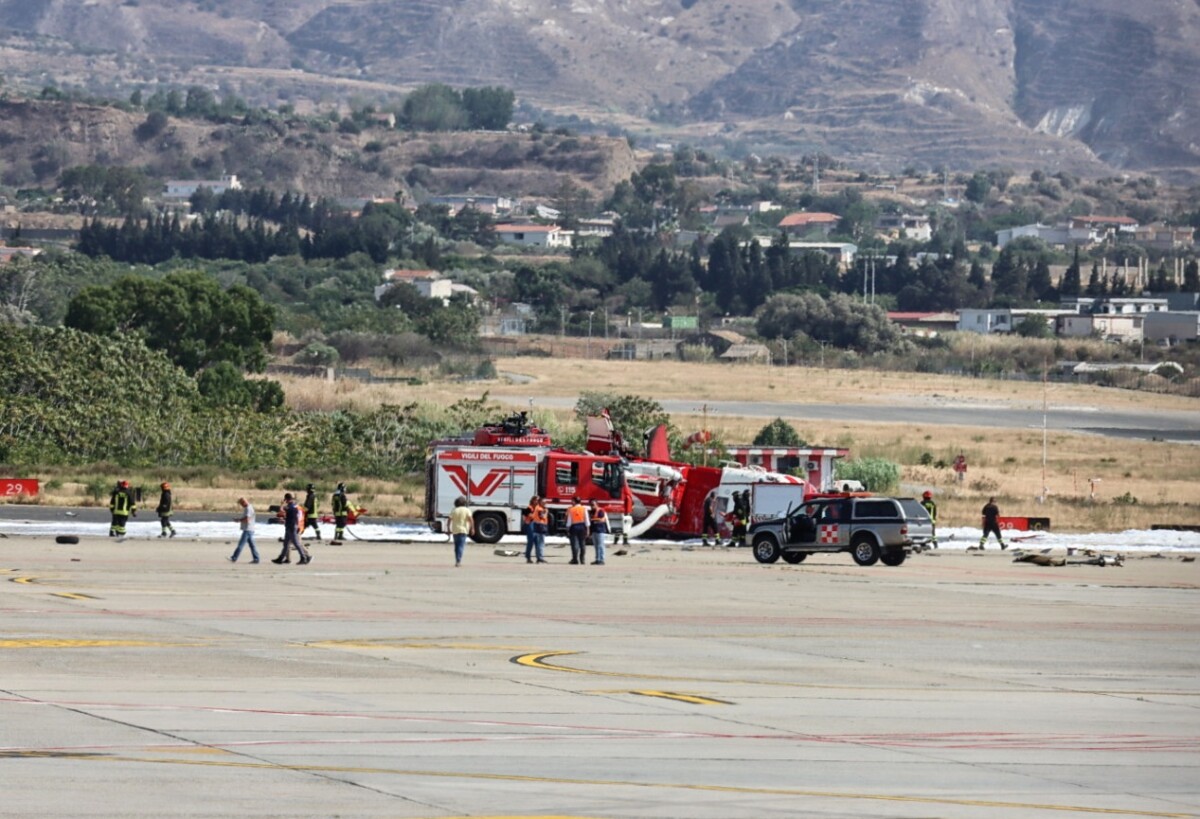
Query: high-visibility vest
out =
(577, 514)
(121, 503)
(540, 515)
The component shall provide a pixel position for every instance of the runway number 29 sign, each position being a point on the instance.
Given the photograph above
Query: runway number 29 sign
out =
(10, 487)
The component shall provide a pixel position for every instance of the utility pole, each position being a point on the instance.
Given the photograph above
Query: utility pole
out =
(589, 341)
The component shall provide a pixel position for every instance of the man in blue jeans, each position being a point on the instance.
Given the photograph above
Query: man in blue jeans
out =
(247, 524)
(462, 524)
(291, 532)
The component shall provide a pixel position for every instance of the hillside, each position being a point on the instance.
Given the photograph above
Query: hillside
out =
(40, 138)
(1051, 84)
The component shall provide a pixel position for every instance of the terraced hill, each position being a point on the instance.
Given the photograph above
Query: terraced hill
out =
(1054, 84)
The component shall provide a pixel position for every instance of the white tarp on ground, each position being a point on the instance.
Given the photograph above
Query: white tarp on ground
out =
(1134, 540)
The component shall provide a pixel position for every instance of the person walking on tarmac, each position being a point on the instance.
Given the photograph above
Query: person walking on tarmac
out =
(599, 520)
(462, 526)
(991, 523)
(527, 528)
(931, 508)
(291, 531)
(342, 509)
(163, 510)
(310, 511)
(541, 527)
(577, 530)
(122, 507)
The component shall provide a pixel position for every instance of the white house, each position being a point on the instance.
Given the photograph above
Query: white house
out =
(429, 283)
(542, 236)
(1110, 326)
(906, 226)
(1002, 319)
(184, 188)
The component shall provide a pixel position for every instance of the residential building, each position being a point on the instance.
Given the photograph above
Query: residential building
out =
(1115, 304)
(803, 222)
(1163, 237)
(9, 253)
(1002, 319)
(1079, 230)
(843, 253)
(905, 226)
(492, 205)
(429, 283)
(538, 236)
(600, 226)
(924, 324)
(184, 188)
(1109, 326)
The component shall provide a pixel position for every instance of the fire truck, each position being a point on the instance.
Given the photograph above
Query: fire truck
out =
(500, 467)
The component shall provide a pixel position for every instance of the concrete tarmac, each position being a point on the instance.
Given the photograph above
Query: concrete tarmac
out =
(156, 679)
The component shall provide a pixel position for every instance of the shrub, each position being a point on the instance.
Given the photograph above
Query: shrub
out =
(876, 474)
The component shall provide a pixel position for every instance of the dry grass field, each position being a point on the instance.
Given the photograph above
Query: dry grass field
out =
(1007, 463)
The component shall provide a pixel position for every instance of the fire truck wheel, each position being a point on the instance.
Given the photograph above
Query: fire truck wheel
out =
(489, 527)
(766, 550)
(794, 557)
(893, 557)
(864, 550)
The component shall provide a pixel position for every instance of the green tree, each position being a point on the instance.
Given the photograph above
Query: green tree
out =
(1191, 276)
(1071, 284)
(876, 474)
(489, 108)
(224, 385)
(187, 315)
(978, 187)
(779, 433)
(1033, 326)
(434, 107)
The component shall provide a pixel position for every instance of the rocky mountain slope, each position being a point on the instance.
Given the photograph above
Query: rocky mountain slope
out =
(40, 138)
(1025, 83)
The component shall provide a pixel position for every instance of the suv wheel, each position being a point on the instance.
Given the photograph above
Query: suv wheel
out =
(794, 557)
(864, 550)
(894, 557)
(766, 549)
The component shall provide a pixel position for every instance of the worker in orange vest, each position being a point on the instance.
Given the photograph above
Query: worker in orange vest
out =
(577, 531)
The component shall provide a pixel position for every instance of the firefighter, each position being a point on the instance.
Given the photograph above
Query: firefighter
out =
(710, 519)
(310, 511)
(342, 509)
(931, 508)
(991, 523)
(163, 510)
(122, 506)
(740, 518)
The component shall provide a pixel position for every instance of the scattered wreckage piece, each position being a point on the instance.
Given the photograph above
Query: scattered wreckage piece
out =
(1094, 559)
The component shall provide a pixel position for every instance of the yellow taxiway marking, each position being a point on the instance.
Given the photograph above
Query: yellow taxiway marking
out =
(385, 643)
(694, 699)
(25, 580)
(73, 595)
(539, 661)
(682, 786)
(57, 643)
